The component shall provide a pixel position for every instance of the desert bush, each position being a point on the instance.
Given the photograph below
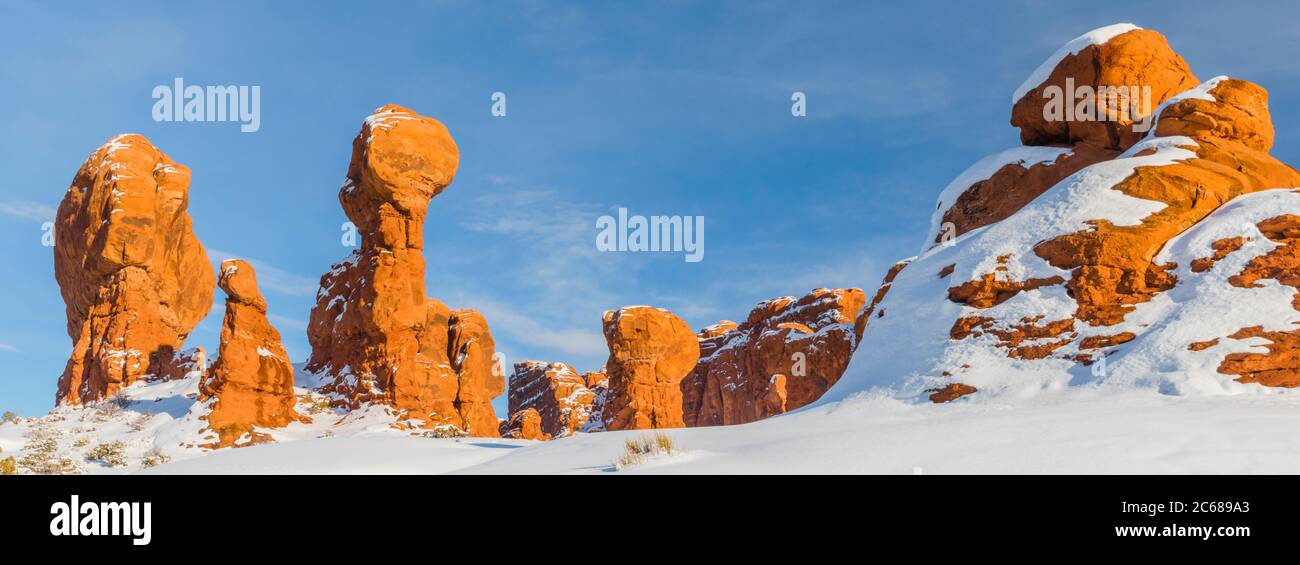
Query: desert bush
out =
(44, 463)
(8, 466)
(106, 410)
(153, 458)
(40, 455)
(112, 454)
(8, 417)
(638, 450)
(138, 424)
(447, 431)
(314, 403)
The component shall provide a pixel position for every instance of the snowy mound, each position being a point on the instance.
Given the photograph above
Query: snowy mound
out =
(150, 424)
(1166, 264)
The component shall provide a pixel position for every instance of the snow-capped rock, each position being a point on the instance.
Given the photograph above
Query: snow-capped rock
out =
(251, 384)
(135, 278)
(563, 399)
(785, 355)
(373, 332)
(1093, 280)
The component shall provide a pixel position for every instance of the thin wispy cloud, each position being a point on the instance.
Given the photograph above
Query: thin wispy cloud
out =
(284, 323)
(504, 320)
(27, 210)
(269, 277)
(9, 348)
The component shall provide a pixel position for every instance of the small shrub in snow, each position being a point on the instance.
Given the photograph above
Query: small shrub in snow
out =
(108, 409)
(314, 403)
(8, 466)
(46, 464)
(153, 458)
(9, 417)
(40, 455)
(639, 450)
(138, 424)
(83, 442)
(112, 454)
(664, 442)
(447, 432)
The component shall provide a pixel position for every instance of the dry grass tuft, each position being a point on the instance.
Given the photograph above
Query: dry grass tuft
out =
(638, 450)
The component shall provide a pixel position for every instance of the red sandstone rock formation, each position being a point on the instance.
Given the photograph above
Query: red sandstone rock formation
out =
(999, 196)
(1059, 243)
(1112, 268)
(650, 352)
(1134, 58)
(252, 381)
(1138, 58)
(950, 393)
(133, 275)
(560, 396)
(1280, 366)
(784, 356)
(524, 424)
(373, 331)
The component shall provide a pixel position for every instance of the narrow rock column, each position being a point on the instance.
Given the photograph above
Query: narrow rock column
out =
(252, 379)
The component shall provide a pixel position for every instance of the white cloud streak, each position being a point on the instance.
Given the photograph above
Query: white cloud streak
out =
(27, 210)
(269, 277)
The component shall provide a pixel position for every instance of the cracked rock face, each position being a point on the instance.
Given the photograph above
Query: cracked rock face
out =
(134, 277)
(374, 333)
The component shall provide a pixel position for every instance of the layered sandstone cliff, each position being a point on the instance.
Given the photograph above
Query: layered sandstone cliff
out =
(133, 275)
(564, 401)
(786, 354)
(374, 333)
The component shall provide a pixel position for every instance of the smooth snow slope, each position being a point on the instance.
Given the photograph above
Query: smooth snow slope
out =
(1090, 430)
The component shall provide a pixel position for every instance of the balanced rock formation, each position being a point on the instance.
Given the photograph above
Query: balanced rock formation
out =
(784, 356)
(1138, 263)
(373, 332)
(133, 275)
(563, 400)
(651, 351)
(251, 383)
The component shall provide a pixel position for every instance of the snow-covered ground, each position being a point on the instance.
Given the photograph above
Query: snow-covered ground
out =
(1095, 428)
(1079, 431)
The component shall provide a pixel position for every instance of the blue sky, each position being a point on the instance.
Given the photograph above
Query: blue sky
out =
(677, 108)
